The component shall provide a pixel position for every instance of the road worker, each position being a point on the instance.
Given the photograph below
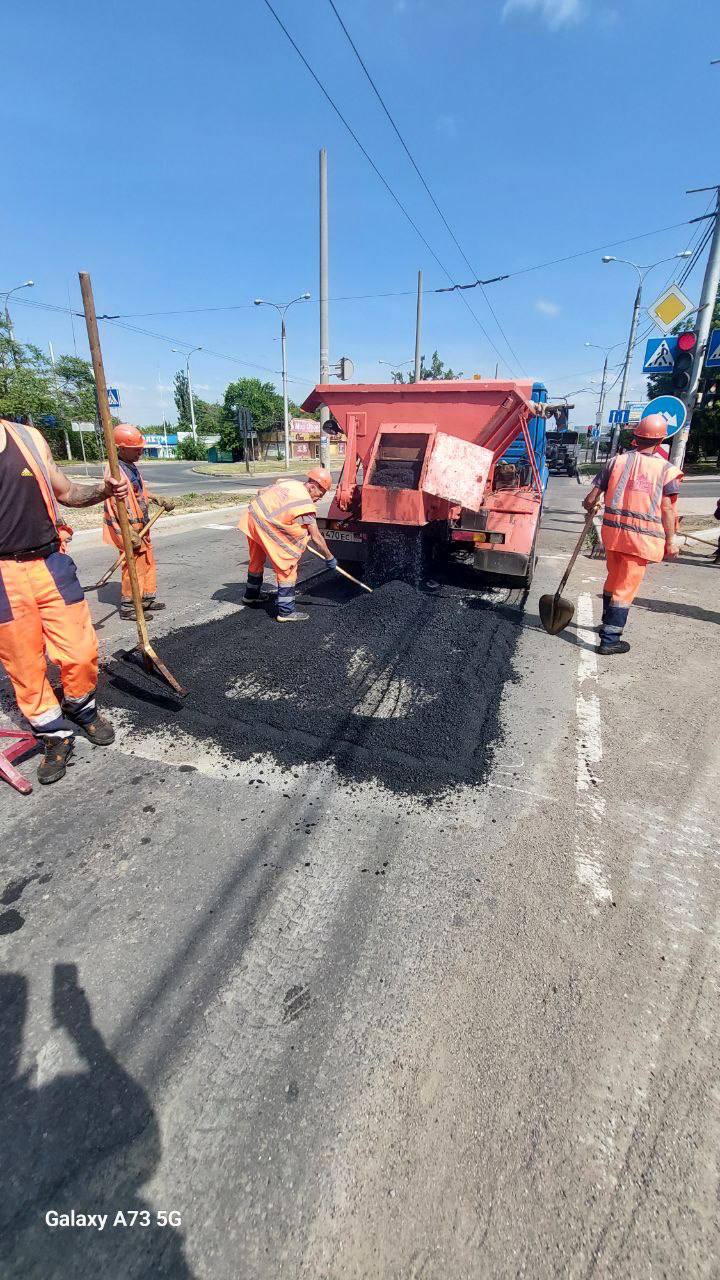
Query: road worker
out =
(638, 523)
(42, 607)
(278, 524)
(130, 444)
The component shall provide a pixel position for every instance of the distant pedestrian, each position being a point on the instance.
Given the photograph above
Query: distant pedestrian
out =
(638, 523)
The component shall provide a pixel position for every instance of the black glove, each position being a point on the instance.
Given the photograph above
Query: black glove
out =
(332, 562)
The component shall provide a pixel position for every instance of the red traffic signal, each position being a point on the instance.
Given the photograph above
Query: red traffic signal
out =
(687, 341)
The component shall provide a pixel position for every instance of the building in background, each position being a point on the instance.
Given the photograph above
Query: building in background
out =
(305, 441)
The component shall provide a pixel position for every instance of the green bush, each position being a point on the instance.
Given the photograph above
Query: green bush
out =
(190, 450)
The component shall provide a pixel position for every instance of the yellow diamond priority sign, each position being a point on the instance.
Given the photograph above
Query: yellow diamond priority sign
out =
(670, 308)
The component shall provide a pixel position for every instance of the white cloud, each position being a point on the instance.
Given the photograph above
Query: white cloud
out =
(547, 308)
(556, 13)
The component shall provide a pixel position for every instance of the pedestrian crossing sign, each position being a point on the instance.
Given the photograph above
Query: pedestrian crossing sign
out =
(713, 350)
(670, 308)
(660, 355)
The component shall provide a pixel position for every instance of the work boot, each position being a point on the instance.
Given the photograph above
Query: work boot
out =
(57, 752)
(265, 597)
(151, 605)
(616, 646)
(297, 616)
(98, 731)
(127, 611)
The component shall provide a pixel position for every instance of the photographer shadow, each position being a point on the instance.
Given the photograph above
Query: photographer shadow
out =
(85, 1141)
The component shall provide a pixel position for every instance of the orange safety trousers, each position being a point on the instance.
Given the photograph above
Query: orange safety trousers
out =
(44, 613)
(624, 576)
(146, 567)
(259, 556)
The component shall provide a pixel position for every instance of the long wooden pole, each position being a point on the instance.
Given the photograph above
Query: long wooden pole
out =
(150, 658)
(116, 563)
(344, 572)
(111, 447)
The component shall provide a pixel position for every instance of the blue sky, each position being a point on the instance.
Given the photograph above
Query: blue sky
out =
(171, 150)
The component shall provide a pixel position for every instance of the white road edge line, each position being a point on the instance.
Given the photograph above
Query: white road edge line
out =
(590, 810)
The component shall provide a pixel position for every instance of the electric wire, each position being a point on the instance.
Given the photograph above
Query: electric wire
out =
(420, 175)
(380, 175)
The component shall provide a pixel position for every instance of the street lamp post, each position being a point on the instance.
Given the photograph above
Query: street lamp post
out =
(281, 308)
(642, 272)
(397, 364)
(601, 400)
(26, 284)
(190, 390)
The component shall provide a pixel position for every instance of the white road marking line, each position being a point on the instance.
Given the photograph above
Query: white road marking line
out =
(590, 812)
(219, 526)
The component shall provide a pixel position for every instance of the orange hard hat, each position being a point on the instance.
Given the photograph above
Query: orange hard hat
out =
(654, 427)
(128, 437)
(322, 477)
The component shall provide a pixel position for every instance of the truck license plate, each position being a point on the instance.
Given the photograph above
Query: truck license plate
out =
(342, 535)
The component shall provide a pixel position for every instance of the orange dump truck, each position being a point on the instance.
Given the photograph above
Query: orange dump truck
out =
(462, 462)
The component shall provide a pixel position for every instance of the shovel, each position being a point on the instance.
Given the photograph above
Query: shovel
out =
(144, 652)
(344, 572)
(557, 611)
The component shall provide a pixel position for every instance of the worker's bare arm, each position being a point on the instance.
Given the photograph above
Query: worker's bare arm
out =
(667, 516)
(318, 541)
(592, 499)
(83, 495)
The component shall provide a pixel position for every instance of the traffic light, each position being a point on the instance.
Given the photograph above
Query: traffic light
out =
(682, 368)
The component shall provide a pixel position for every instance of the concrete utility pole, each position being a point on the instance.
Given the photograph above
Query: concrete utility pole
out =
(642, 272)
(324, 306)
(702, 329)
(418, 328)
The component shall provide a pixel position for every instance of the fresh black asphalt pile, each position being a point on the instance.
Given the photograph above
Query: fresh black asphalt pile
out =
(402, 687)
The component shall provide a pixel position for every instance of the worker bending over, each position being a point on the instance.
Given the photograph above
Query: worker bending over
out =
(638, 523)
(279, 523)
(43, 610)
(130, 444)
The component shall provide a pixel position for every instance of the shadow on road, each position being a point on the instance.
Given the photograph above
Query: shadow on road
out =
(694, 611)
(85, 1141)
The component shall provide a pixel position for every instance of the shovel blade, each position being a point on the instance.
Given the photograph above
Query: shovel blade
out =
(555, 613)
(145, 656)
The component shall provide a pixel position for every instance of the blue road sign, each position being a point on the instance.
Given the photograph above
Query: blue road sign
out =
(113, 397)
(660, 354)
(712, 360)
(672, 410)
(619, 417)
(594, 433)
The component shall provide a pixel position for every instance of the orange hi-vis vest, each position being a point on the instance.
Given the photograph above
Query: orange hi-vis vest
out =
(632, 520)
(272, 518)
(137, 509)
(32, 446)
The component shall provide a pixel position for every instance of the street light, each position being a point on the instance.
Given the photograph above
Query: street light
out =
(642, 272)
(190, 390)
(601, 401)
(282, 308)
(397, 364)
(26, 284)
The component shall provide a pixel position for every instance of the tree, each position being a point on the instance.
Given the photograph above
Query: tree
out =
(182, 400)
(263, 401)
(704, 438)
(435, 372)
(189, 450)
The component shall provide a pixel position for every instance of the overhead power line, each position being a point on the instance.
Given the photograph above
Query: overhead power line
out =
(380, 175)
(420, 175)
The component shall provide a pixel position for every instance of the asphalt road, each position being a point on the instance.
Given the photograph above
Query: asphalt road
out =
(169, 478)
(341, 1030)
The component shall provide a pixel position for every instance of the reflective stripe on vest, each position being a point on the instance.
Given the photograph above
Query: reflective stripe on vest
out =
(635, 479)
(27, 446)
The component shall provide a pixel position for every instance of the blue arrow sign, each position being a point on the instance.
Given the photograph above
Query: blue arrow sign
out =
(619, 417)
(660, 354)
(113, 397)
(672, 410)
(712, 360)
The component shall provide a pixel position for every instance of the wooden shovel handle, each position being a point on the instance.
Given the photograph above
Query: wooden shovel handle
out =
(576, 552)
(344, 572)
